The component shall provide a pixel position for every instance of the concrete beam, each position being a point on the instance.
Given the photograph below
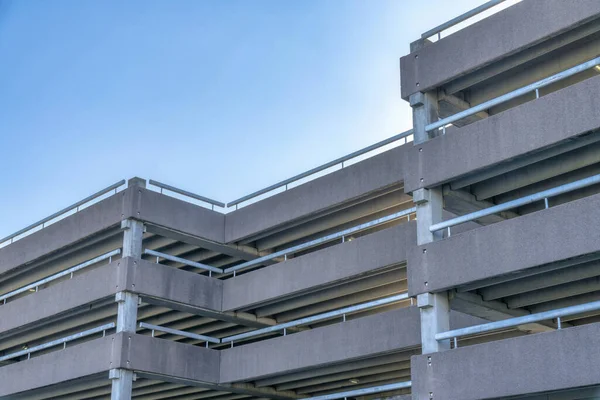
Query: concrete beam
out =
(529, 364)
(74, 362)
(507, 247)
(548, 121)
(317, 270)
(69, 231)
(67, 296)
(490, 41)
(394, 330)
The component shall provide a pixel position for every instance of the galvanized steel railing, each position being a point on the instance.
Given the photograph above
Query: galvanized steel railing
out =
(57, 342)
(35, 285)
(194, 264)
(325, 239)
(534, 87)
(364, 391)
(207, 339)
(342, 312)
(44, 222)
(544, 195)
(164, 186)
(320, 168)
(316, 318)
(461, 18)
(518, 321)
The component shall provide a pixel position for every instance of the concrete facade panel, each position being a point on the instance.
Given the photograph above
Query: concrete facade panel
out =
(372, 335)
(525, 365)
(166, 357)
(164, 282)
(324, 267)
(354, 181)
(74, 362)
(180, 215)
(82, 289)
(68, 231)
(539, 238)
(498, 36)
(549, 120)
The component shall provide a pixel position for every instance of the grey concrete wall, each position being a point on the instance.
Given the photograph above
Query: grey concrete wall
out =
(524, 365)
(180, 215)
(498, 36)
(551, 119)
(68, 231)
(164, 282)
(168, 358)
(83, 289)
(320, 194)
(74, 362)
(314, 270)
(372, 335)
(506, 247)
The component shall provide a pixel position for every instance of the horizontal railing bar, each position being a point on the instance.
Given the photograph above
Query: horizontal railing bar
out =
(592, 180)
(179, 333)
(461, 18)
(316, 242)
(365, 391)
(60, 274)
(59, 341)
(526, 319)
(65, 210)
(322, 167)
(515, 93)
(186, 193)
(315, 318)
(183, 261)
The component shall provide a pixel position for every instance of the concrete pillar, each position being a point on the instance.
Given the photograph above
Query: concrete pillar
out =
(434, 307)
(127, 307)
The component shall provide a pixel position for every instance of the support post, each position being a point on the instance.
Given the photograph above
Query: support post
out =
(434, 307)
(127, 307)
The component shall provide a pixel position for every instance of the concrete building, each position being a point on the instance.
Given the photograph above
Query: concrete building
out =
(462, 264)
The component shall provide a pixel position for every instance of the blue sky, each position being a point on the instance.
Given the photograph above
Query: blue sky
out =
(217, 97)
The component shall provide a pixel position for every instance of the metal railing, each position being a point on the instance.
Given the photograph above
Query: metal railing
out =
(164, 186)
(315, 318)
(35, 285)
(317, 242)
(182, 261)
(57, 342)
(75, 206)
(543, 195)
(455, 21)
(320, 168)
(518, 321)
(364, 391)
(207, 339)
(534, 87)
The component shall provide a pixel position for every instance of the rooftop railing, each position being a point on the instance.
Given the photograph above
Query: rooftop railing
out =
(164, 186)
(340, 161)
(461, 18)
(55, 217)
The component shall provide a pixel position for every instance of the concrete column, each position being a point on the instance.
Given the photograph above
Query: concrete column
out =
(434, 307)
(127, 307)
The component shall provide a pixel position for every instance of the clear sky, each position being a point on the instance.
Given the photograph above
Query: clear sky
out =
(217, 97)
